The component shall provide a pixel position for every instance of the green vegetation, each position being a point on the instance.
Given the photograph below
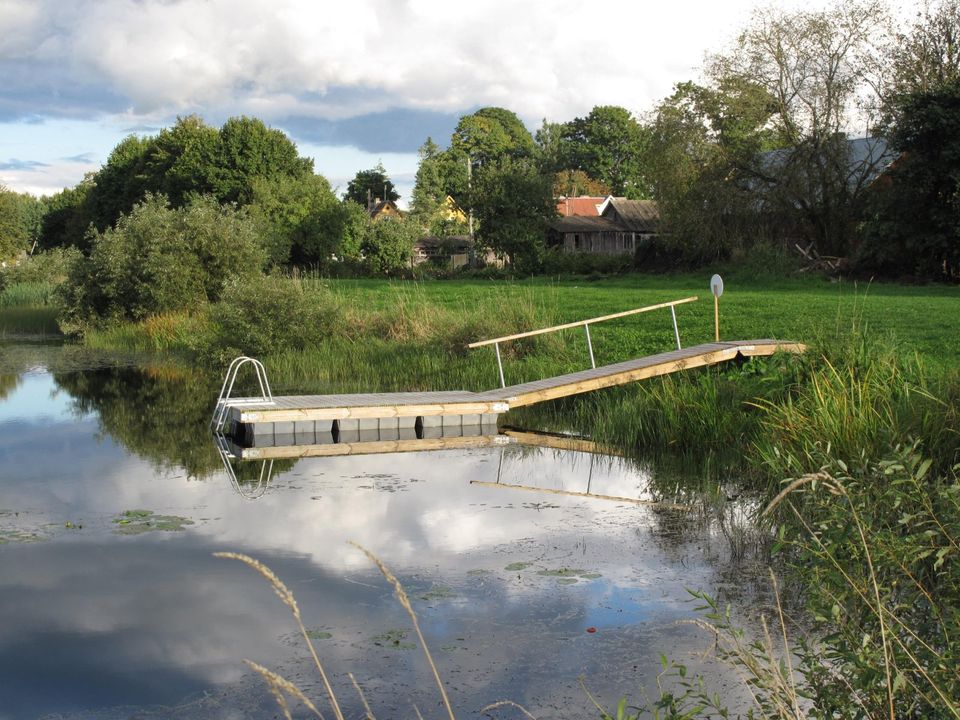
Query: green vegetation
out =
(159, 259)
(137, 522)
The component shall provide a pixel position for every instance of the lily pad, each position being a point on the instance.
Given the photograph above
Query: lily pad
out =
(315, 634)
(570, 574)
(513, 567)
(13, 535)
(478, 571)
(438, 592)
(394, 639)
(135, 522)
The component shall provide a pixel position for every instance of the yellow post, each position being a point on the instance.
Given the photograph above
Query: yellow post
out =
(716, 317)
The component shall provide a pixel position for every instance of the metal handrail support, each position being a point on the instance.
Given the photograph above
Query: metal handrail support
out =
(266, 393)
(586, 326)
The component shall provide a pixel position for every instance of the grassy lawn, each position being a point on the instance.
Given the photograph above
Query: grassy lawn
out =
(921, 319)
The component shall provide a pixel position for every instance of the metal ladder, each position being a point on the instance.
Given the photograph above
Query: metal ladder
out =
(223, 401)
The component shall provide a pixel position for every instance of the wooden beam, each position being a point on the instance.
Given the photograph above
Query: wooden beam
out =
(571, 493)
(374, 447)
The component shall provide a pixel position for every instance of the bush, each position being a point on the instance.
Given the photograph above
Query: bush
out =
(50, 267)
(158, 259)
(269, 314)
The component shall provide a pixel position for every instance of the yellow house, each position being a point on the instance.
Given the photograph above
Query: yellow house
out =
(450, 211)
(384, 209)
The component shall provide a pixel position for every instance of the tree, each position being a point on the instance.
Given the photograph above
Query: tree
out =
(608, 144)
(67, 217)
(388, 244)
(368, 185)
(428, 186)
(248, 149)
(913, 225)
(571, 183)
(489, 134)
(20, 218)
(300, 219)
(816, 68)
(513, 202)
(927, 57)
(435, 181)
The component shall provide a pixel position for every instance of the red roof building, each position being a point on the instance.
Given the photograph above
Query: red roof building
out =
(583, 206)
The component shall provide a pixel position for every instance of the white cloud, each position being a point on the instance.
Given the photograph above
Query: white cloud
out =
(336, 60)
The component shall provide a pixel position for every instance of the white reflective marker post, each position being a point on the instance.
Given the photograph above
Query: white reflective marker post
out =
(716, 287)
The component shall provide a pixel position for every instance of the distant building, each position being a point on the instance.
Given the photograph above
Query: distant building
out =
(582, 206)
(380, 209)
(617, 228)
(451, 252)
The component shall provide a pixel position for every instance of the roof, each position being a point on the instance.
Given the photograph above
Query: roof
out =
(584, 205)
(635, 215)
(869, 158)
(384, 207)
(585, 224)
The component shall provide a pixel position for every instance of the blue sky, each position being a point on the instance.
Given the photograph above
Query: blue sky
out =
(352, 83)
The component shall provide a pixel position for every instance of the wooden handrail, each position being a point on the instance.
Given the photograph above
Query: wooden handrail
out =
(581, 323)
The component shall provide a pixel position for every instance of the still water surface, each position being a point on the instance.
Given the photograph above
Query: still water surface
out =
(105, 616)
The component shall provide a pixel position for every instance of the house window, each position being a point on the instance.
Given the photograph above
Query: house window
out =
(576, 242)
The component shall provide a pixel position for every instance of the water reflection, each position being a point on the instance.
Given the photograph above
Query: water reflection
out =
(101, 623)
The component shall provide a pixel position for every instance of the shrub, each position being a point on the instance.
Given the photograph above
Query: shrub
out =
(50, 266)
(158, 259)
(269, 314)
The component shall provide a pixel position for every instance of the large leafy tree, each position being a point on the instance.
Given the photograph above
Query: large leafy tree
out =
(513, 201)
(914, 223)
(301, 221)
(181, 162)
(489, 134)
(608, 145)
(812, 71)
(368, 185)
(20, 218)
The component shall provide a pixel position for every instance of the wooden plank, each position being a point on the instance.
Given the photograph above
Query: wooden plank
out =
(580, 323)
(559, 442)
(267, 414)
(621, 378)
(375, 447)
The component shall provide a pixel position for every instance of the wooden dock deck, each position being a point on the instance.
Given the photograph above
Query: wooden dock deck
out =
(380, 411)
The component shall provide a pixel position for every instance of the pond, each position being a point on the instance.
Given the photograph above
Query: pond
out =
(113, 501)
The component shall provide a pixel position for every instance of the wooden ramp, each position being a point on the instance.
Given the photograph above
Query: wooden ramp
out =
(382, 411)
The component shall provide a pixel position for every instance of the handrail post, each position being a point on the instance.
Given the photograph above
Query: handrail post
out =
(586, 327)
(676, 331)
(496, 347)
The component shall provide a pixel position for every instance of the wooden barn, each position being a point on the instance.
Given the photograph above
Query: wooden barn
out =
(617, 228)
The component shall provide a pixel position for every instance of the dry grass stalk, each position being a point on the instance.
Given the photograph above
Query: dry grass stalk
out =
(405, 602)
(283, 592)
(507, 703)
(363, 698)
(786, 645)
(279, 685)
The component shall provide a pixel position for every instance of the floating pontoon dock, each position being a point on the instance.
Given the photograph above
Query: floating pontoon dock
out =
(258, 420)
